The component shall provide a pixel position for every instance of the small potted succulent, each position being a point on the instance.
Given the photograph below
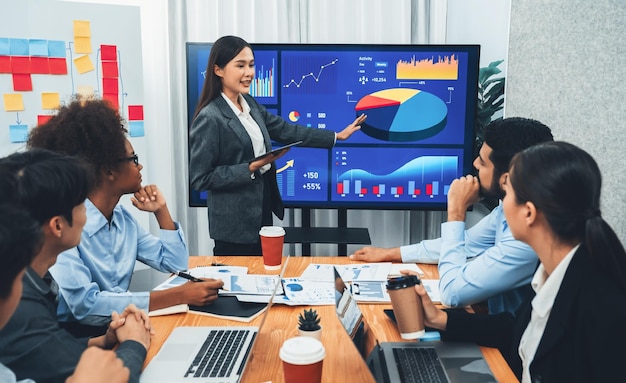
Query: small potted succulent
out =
(309, 324)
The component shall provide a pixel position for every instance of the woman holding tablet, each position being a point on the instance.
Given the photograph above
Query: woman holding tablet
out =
(230, 131)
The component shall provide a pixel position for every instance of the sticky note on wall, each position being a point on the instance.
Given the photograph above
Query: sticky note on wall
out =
(51, 100)
(18, 133)
(13, 102)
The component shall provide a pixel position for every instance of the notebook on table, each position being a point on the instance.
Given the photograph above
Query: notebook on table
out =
(206, 354)
(406, 362)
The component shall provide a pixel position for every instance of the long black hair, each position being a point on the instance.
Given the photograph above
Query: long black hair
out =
(223, 51)
(564, 182)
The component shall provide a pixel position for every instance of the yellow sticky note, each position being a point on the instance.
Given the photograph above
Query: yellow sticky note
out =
(82, 45)
(50, 100)
(82, 28)
(83, 64)
(13, 102)
(86, 90)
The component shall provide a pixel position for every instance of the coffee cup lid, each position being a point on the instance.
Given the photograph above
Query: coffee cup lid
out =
(272, 231)
(302, 350)
(402, 282)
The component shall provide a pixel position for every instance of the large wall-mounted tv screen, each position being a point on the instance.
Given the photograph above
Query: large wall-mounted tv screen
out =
(420, 102)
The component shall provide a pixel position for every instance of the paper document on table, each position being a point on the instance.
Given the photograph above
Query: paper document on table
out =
(319, 272)
(214, 272)
(364, 271)
(376, 292)
(300, 291)
(397, 267)
(255, 284)
(217, 271)
(432, 288)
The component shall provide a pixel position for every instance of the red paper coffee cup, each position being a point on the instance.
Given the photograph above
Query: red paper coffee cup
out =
(272, 240)
(302, 358)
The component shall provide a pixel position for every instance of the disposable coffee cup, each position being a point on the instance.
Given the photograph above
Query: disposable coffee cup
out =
(302, 358)
(272, 239)
(407, 306)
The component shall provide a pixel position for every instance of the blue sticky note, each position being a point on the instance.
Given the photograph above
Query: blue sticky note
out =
(135, 128)
(4, 46)
(38, 47)
(56, 48)
(18, 133)
(18, 47)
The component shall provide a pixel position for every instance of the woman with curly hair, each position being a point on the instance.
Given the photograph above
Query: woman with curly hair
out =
(94, 276)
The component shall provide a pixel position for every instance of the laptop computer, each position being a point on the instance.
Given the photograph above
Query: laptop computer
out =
(414, 361)
(206, 354)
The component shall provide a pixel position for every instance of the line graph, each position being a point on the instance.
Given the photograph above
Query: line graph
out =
(316, 78)
(311, 75)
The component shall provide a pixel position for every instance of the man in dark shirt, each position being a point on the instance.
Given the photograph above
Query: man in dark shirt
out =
(52, 188)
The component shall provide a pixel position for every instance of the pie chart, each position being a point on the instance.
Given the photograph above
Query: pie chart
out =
(402, 114)
(294, 116)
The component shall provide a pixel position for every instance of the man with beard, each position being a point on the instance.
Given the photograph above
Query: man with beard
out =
(483, 262)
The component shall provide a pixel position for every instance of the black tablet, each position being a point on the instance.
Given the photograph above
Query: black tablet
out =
(276, 151)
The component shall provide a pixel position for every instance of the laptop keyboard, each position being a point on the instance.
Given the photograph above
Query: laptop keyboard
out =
(419, 364)
(218, 354)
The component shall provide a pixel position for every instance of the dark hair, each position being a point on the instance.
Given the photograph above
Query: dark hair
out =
(223, 51)
(20, 240)
(564, 182)
(87, 128)
(508, 136)
(45, 183)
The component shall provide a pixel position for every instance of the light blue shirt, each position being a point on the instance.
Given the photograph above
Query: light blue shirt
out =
(7, 376)
(94, 277)
(482, 263)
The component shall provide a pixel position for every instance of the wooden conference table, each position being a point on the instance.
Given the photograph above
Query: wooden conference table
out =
(343, 362)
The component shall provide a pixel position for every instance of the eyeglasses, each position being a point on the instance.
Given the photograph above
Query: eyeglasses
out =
(134, 158)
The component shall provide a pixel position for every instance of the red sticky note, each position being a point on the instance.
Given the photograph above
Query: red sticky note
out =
(135, 112)
(108, 52)
(112, 98)
(22, 82)
(110, 85)
(42, 119)
(39, 65)
(57, 65)
(109, 69)
(5, 64)
(20, 64)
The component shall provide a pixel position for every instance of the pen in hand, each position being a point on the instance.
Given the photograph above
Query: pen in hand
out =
(190, 277)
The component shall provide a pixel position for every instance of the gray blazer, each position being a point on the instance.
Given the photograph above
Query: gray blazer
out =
(219, 152)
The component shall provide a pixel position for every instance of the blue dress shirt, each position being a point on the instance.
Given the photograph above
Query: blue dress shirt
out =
(7, 376)
(94, 277)
(481, 263)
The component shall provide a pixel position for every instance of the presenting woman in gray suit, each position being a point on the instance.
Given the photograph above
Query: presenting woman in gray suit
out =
(229, 129)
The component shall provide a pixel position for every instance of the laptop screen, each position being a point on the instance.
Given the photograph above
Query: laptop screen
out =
(346, 307)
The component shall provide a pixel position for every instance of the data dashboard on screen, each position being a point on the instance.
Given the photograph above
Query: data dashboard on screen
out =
(420, 102)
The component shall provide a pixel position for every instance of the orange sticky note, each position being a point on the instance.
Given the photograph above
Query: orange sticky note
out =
(82, 28)
(82, 45)
(83, 64)
(13, 102)
(50, 100)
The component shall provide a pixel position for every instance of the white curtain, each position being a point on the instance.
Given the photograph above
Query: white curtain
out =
(296, 21)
